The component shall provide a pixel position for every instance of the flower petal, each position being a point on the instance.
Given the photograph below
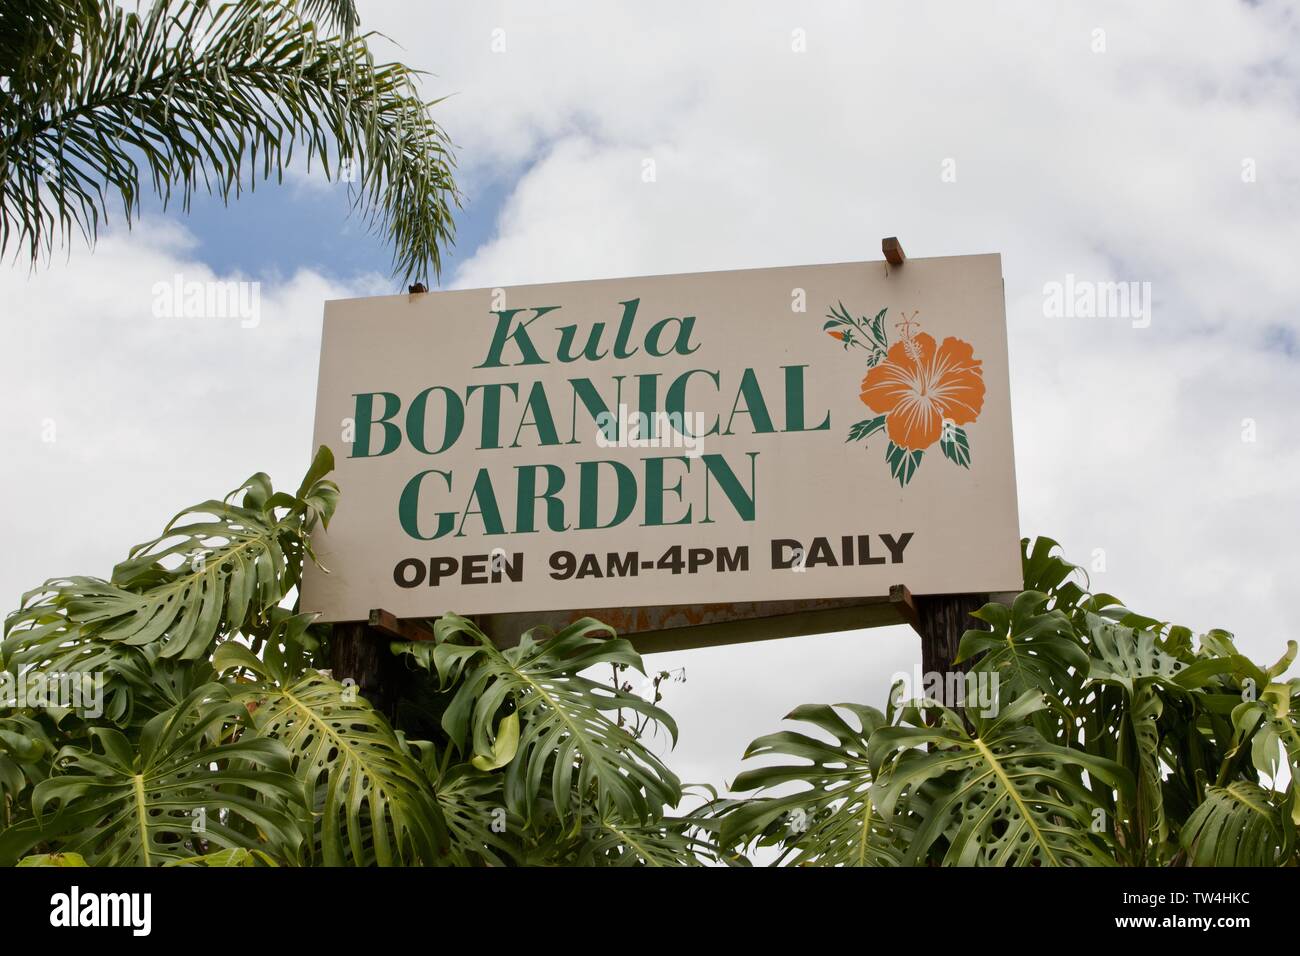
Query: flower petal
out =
(915, 423)
(887, 384)
(958, 379)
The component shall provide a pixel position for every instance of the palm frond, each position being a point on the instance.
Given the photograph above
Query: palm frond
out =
(189, 96)
(339, 14)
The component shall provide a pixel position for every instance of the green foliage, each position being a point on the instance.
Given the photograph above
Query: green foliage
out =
(186, 96)
(831, 820)
(53, 859)
(1008, 797)
(1114, 739)
(568, 747)
(606, 840)
(864, 429)
(1238, 825)
(218, 569)
(955, 445)
(234, 857)
(369, 798)
(902, 463)
(222, 742)
(1028, 648)
(184, 782)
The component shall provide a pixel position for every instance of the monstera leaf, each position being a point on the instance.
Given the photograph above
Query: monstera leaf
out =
(1135, 661)
(1128, 656)
(53, 860)
(480, 831)
(1029, 649)
(183, 786)
(831, 819)
(1046, 572)
(124, 685)
(39, 637)
(236, 857)
(371, 801)
(1271, 725)
(567, 747)
(484, 832)
(595, 839)
(604, 840)
(25, 755)
(217, 567)
(1000, 796)
(1237, 825)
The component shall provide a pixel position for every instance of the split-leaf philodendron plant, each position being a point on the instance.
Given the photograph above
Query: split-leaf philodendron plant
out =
(179, 713)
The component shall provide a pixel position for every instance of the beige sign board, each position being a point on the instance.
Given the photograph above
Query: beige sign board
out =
(769, 435)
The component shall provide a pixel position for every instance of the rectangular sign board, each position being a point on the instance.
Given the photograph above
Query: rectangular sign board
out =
(770, 435)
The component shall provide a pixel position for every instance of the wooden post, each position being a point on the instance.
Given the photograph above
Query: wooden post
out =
(359, 655)
(359, 650)
(941, 620)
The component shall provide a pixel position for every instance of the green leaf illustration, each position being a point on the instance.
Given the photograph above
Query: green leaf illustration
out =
(866, 428)
(902, 463)
(878, 329)
(955, 446)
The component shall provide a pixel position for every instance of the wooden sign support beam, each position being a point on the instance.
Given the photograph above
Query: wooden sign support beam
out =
(654, 630)
(359, 652)
(941, 620)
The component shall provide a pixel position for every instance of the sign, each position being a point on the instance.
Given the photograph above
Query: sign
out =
(771, 435)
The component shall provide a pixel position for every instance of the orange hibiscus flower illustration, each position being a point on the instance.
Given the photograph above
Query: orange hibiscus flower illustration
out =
(918, 385)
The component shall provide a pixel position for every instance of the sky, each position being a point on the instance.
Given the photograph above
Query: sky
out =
(1150, 143)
